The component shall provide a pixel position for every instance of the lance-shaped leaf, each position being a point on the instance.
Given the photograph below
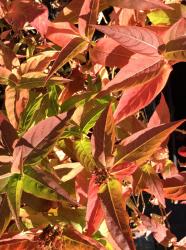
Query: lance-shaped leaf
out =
(134, 73)
(8, 134)
(116, 216)
(145, 178)
(140, 96)
(38, 62)
(71, 50)
(6, 215)
(37, 80)
(14, 193)
(141, 5)
(175, 50)
(88, 15)
(61, 33)
(175, 187)
(94, 212)
(6, 77)
(136, 39)
(110, 53)
(175, 31)
(72, 239)
(39, 140)
(122, 170)
(44, 185)
(80, 150)
(141, 145)
(103, 138)
(161, 114)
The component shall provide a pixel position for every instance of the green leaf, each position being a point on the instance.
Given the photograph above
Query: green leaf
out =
(84, 154)
(116, 216)
(4, 180)
(76, 100)
(167, 17)
(37, 80)
(14, 193)
(44, 185)
(5, 215)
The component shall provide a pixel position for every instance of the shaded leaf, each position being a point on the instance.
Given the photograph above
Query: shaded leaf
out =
(39, 140)
(14, 193)
(88, 15)
(103, 138)
(141, 145)
(73, 238)
(22, 11)
(175, 188)
(8, 134)
(116, 216)
(176, 49)
(108, 52)
(140, 96)
(5, 215)
(136, 39)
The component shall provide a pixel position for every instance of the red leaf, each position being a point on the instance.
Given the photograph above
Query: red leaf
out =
(160, 232)
(175, 31)
(123, 169)
(81, 185)
(94, 213)
(137, 39)
(22, 11)
(142, 4)
(61, 33)
(182, 151)
(87, 16)
(103, 138)
(145, 178)
(107, 52)
(175, 187)
(161, 114)
(72, 49)
(39, 140)
(140, 146)
(134, 73)
(140, 96)
(72, 87)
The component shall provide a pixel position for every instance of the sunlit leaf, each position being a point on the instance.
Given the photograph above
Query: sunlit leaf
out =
(136, 39)
(176, 49)
(116, 216)
(39, 140)
(141, 145)
(88, 15)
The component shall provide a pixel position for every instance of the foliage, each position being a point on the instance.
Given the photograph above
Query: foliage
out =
(77, 155)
